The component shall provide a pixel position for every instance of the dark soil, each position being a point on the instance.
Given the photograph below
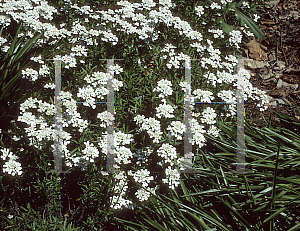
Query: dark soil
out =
(279, 21)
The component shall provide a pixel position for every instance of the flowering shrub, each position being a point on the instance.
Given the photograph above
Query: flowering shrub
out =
(218, 69)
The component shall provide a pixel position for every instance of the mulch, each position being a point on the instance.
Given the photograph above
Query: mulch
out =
(279, 70)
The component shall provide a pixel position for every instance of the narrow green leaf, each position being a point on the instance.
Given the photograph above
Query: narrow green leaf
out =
(226, 28)
(274, 214)
(295, 227)
(252, 26)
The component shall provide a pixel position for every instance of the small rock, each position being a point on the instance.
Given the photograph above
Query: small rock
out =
(253, 64)
(280, 101)
(272, 102)
(280, 65)
(267, 76)
(277, 75)
(272, 57)
(281, 83)
(295, 14)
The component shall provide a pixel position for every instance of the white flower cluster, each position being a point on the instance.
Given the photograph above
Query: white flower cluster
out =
(236, 38)
(69, 60)
(30, 16)
(164, 86)
(37, 135)
(246, 4)
(165, 109)
(44, 70)
(4, 20)
(175, 60)
(256, 17)
(99, 78)
(123, 155)
(29, 72)
(37, 59)
(176, 128)
(215, 5)
(11, 166)
(167, 3)
(168, 152)
(49, 85)
(227, 96)
(80, 50)
(172, 177)
(2, 41)
(88, 155)
(120, 188)
(103, 118)
(119, 139)
(147, 4)
(45, 10)
(224, 2)
(142, 176)
(217, 33)
(209, 116)
(213, 130)
(199, 47)
(109, 37)
(151, 125)
(204, 96)
(116, 69)
(144, 195)
(199, 10)
(197, 131)
(249, 91)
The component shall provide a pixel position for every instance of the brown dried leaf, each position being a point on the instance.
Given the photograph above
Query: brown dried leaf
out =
(281, 92)
(256, 50)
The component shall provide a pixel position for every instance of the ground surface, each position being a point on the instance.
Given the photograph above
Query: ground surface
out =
(276, 66)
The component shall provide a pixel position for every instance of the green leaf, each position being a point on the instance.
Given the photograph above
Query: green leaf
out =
(252, 26)
(226, 28)
(274, 214)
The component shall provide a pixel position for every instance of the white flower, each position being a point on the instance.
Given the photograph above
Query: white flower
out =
(168, 152)
(209, 116)
(143, 176)
(217, 33)
(213, 130)
(37, 59)
(177, 128)
(172, 178)
(204, 96)
(165, 110)
(215, 5)
(199, 10)
(80, 50)
(246, 4)
(90, 151)
(50, 85)
(256, 17)
(12, 167)
(236, 38)
(164, 86)
(31, 73)
(5, 153)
